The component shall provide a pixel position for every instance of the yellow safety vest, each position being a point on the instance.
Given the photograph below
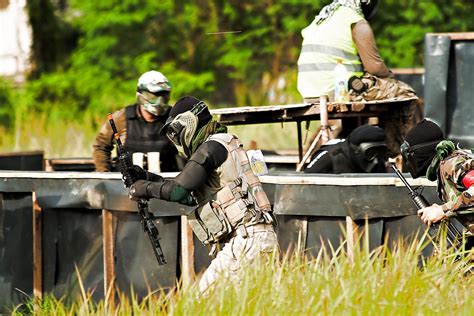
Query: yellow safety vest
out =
(323, 45)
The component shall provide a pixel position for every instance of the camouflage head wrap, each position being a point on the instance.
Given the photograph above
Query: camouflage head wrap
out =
(443, 150)
(329, 10)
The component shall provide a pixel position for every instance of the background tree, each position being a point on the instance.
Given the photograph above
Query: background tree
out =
(88, 54)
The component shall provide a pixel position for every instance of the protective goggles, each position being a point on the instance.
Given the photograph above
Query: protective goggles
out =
(174, 132)
(196, 110)
(408, 151)
(154, 99)
(372, 150)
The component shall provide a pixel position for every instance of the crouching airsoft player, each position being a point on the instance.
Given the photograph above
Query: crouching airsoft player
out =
(232, 207)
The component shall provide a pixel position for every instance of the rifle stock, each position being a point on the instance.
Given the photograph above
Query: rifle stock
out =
(146, 218)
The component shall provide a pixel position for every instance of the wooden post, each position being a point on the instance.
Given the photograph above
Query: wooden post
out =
(323, 133)
(309, 152)
(108, 249)
(323, 110)
(187, 252)
(351, 228)
(302, 235)
(300, 141)
(37, 249)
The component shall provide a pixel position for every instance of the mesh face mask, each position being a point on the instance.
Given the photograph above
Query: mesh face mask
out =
(181, 131)
(369, 154)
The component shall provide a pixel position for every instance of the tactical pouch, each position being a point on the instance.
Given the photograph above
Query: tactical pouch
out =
(209, 223)
(235, 212)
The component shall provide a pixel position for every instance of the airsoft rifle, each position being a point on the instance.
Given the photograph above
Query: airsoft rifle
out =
(125, 164)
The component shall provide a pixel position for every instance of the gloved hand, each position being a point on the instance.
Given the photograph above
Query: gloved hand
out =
(133, 174)
(143, 189)
(150, 176)
(138, 190)
(188, 200)
(137, 173)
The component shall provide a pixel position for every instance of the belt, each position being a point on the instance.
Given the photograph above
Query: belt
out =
(244, 231)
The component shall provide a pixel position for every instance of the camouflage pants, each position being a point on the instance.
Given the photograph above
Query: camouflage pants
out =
(261, 240)
(383, 89)
(398, 119)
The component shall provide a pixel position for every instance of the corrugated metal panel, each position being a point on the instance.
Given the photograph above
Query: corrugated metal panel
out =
(449, 84)
(311, 212)
(16, 255)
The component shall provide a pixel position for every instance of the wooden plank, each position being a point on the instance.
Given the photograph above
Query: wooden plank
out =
(187, 252)
(351, 229)
(71, 161)
(302, 234)
(37, 249)
(353, 180)
(70, 175)
(108, 250)
(301, 112)
(456, 36)
(254, 109)
(22, 153)
(408, 71)
(309, 152)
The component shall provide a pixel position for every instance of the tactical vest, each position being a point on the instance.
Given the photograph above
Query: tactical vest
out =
(144, 137)
(232, 197)
(323, 45)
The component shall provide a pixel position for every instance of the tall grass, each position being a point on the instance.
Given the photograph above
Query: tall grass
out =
(385, 281)
(57, 139)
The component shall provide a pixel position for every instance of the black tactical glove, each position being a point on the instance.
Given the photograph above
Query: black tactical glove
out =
(137, 173)
(150, 176)
(143, 189)
(134, 173)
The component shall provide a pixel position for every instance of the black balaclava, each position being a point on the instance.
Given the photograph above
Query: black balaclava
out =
(369, 9)
(368, 146)
(419, 147)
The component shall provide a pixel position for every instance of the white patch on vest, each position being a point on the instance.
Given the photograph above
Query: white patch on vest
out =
(317, 158)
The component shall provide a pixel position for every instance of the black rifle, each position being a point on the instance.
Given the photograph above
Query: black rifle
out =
(125, 163)
(454, 231)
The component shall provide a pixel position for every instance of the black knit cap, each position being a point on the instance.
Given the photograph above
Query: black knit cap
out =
(366, 133)
(185, 104)
(424, 132)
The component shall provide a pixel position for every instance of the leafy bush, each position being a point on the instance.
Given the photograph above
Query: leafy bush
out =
(230, 53)
(6, 103)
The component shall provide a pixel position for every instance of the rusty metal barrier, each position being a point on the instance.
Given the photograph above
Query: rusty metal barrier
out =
(52, 223)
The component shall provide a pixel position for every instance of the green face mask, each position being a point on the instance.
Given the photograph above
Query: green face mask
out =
(155, 104)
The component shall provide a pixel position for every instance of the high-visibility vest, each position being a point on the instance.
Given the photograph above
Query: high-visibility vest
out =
(323, 45)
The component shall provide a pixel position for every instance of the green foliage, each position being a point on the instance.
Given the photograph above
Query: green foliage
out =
(53, 38)
(400, 26)
(6, 103)
(89, 54)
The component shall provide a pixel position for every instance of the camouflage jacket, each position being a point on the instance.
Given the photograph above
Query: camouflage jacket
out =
(104, 142)
(458, 199)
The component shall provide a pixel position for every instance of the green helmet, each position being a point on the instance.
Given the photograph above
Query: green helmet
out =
(153, 91)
